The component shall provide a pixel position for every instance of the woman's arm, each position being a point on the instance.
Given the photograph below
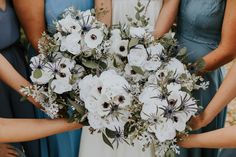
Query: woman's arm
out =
(166, 18)
(221, 138)
(226, 51)
(31, 16)
(17, 130)
(104, 9)
(12, 78)
(224, 95)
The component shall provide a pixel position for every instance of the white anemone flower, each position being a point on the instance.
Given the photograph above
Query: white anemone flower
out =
(71, 43)
(181, 106)
(150, 96)
(90, 86)
(130, 73)
(120, 47)
(103, 96)
(61, 86)
(69, 24)
(58, 37)
(158, 124)
(94, 38)
(153, 62)
(40, 74)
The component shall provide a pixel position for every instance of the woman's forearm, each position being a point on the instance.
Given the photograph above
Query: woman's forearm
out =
(31, 18)
(104, 11)
(17, 130)
(166, 18)
(10, 76)
(221, 138)
(224, 95)
(226, 51)
(13, 79)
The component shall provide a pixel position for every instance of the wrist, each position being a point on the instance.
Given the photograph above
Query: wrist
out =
(206, 118)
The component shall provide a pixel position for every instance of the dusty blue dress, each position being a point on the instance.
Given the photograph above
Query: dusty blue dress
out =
(11, 49)
(65, 144)
(199, 29)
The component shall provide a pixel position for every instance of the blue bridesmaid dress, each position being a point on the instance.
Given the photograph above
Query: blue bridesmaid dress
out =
(199, 30)
(65, 144)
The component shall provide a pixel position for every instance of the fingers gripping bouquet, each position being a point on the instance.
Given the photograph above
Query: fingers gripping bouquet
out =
(121, 81)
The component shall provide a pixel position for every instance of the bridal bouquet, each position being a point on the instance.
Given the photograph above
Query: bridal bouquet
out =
(122, 82)
(66, 57)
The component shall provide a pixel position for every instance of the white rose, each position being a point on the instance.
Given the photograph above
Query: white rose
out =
(165, 131)
(137, 56)
(138, 32)
(95, 121)
(175, 66)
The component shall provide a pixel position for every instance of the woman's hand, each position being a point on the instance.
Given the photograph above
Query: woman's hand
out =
(8, 151)
(199, 121)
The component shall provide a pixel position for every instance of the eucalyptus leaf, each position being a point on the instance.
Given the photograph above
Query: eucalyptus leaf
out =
(110, 133)
(138, 70)
(139, 4)
(170, 153)
(103, 65)
(182, 51)
(133, 42)
(37, 73)
(200, 64)
(106, 140)
(90, 64)
(137, 16)
(24, 98)
(141, 9)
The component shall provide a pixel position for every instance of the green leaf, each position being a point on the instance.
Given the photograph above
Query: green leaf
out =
(90, 64)
(103, 65)
(114, 63)
(110, 134)
(170, 153)
(133, 42)
(106, 140)
(141, 9)
(138, 70)
(37, 73)
(182, 52)
(200, 64)
(139, 4)
(137, 16)
(24, 98)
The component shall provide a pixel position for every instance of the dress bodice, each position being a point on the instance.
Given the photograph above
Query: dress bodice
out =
(9, 30)
(122, 8)
(54, 8)
(201, 20)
